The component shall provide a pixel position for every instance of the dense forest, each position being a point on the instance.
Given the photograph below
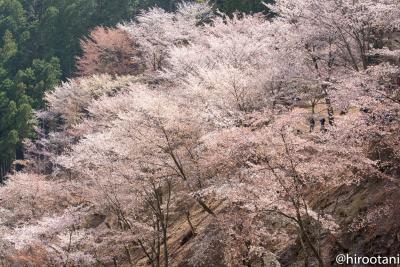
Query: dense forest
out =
(40, 40)
(221, 133)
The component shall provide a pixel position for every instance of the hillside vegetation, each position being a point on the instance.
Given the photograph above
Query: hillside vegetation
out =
(196, 138)
(39, 43)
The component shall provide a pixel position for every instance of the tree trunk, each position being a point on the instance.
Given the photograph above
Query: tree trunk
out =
(329, 108)
(165, 246)
(190, 223)
(308, 240)
(204, 206)
(331, 117)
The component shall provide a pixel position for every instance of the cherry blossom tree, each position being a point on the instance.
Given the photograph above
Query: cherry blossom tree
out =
(233, 72)
(327, 41)
(156, 30)
(108, 51)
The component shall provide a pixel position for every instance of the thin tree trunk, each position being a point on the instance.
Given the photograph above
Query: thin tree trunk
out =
(181, 172)
(331, 116)
(204, 206)
(329, 108)
(128, 253)
(306, 255)
(308, 240)
(158, 246)
(165, 245)
(190, 223)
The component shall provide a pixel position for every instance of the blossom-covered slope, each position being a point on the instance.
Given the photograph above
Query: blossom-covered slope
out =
(241, 141)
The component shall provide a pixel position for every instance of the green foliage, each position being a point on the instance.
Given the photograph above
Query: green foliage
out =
(14, 125)
(247, 6)
(9, 48)
(12, 16)
(38, 78)
(23, 79)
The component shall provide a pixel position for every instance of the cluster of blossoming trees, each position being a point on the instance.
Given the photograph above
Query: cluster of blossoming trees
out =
(233, 128)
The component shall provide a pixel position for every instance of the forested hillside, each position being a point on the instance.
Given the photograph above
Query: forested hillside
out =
(187, 134)
(39, 41)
